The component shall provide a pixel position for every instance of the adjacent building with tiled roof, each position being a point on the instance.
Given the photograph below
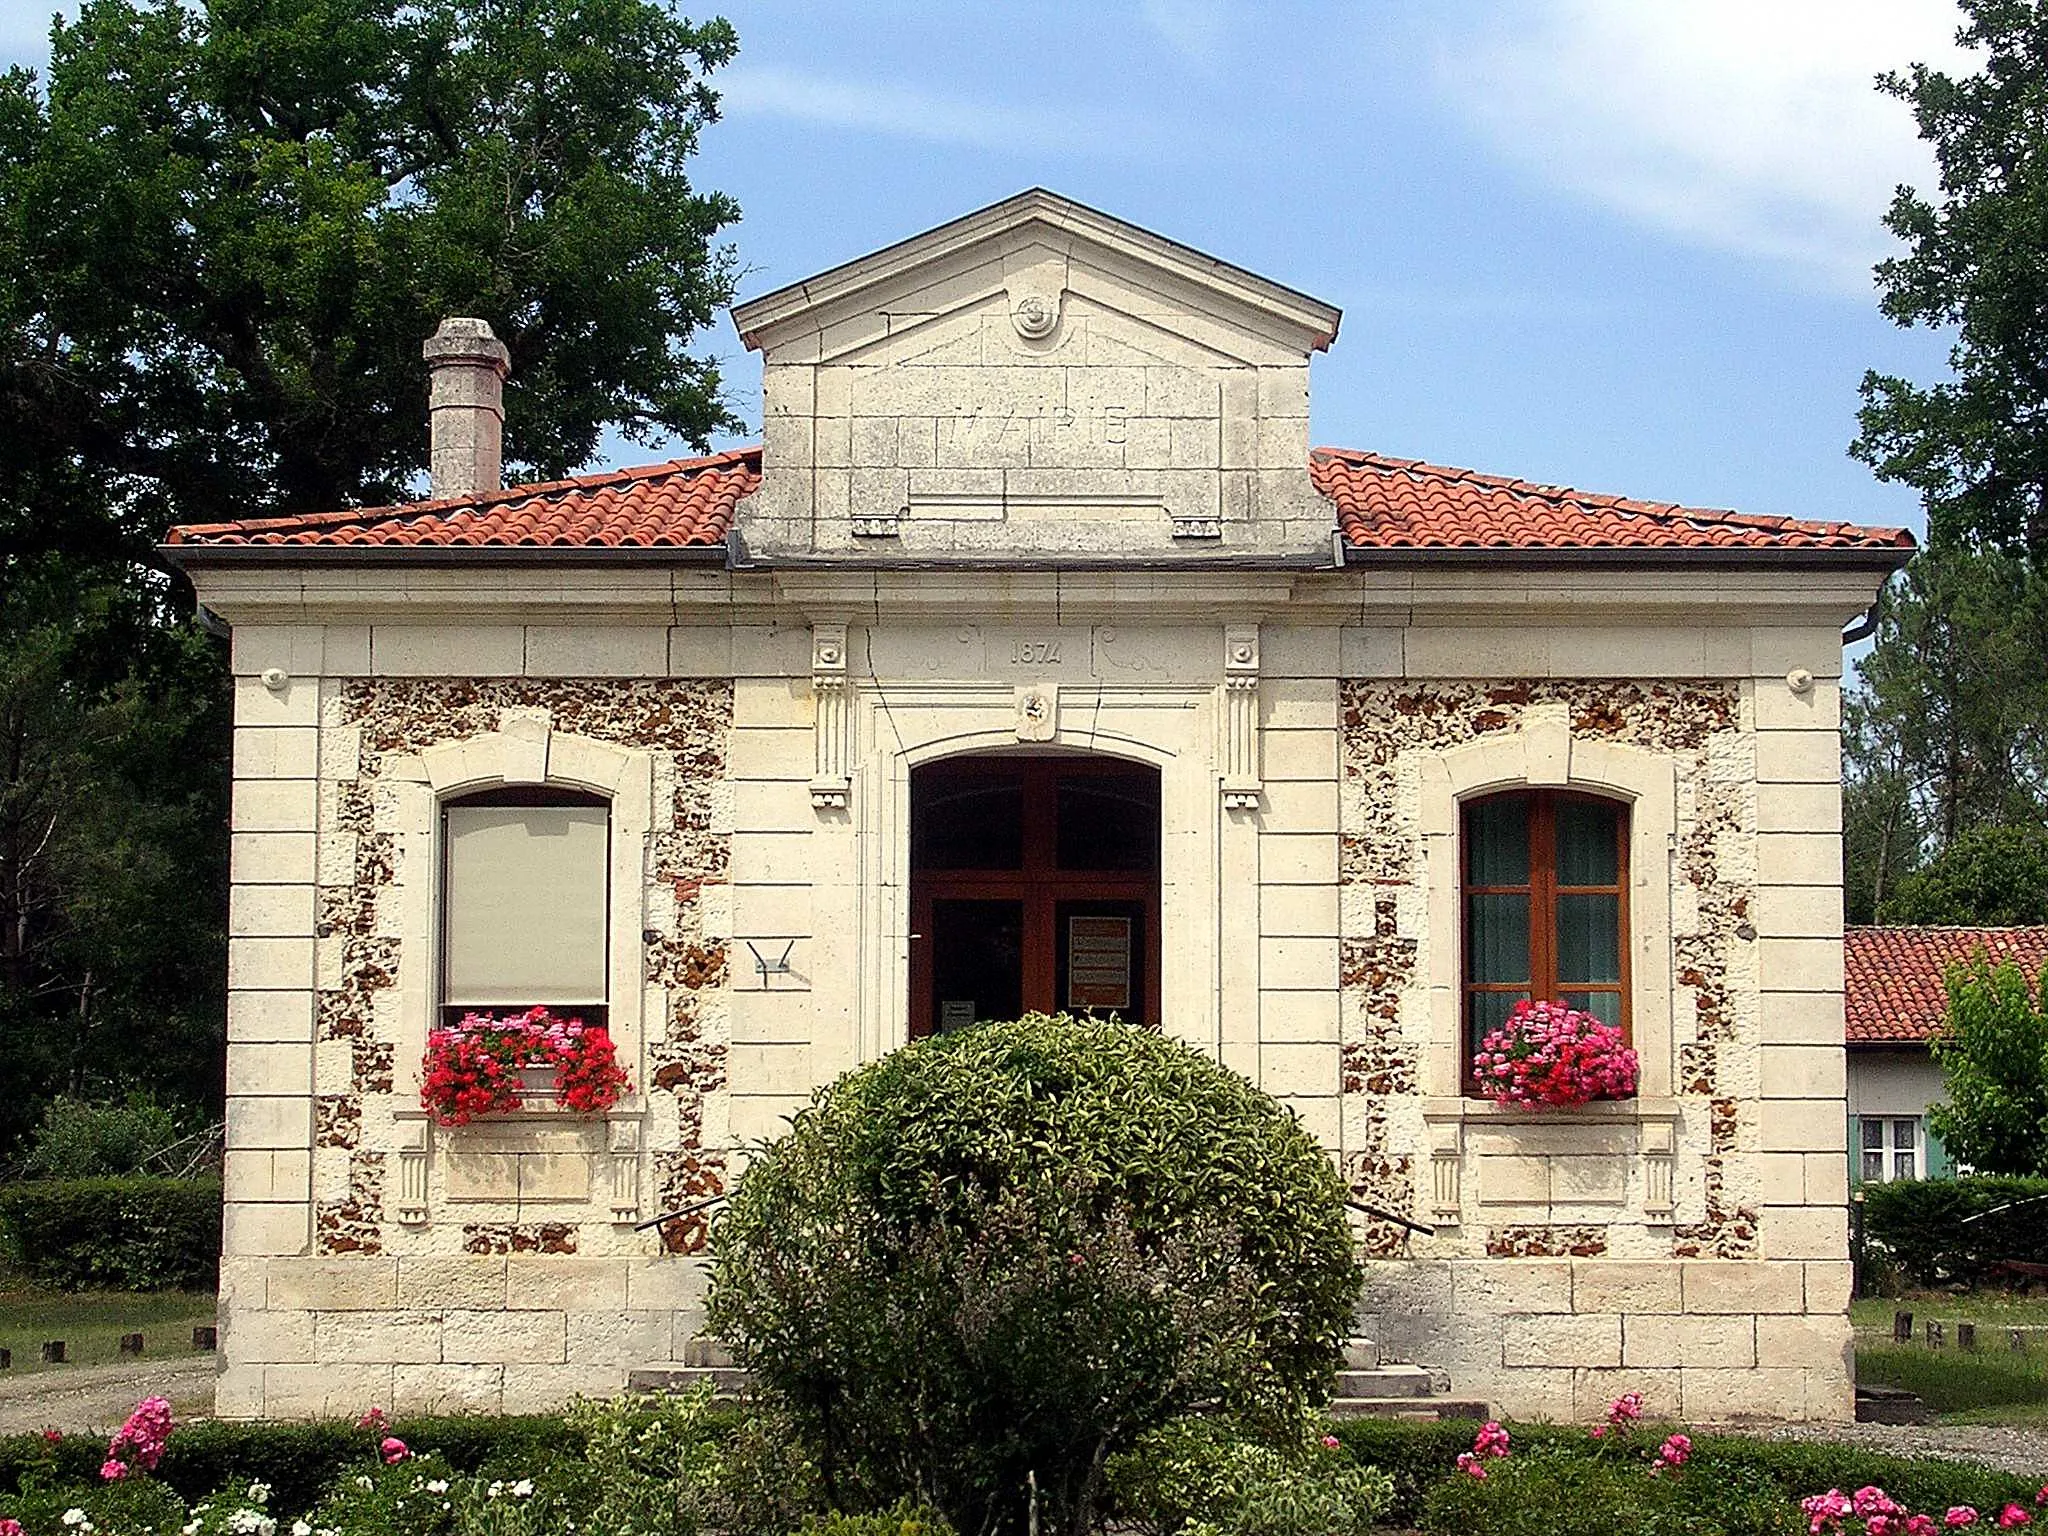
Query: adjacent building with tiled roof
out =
(1894, 998)
(1033, 661)
(1895, 979)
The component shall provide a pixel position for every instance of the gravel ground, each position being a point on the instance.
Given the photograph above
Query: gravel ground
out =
(2024, 1451)
(98, 1397)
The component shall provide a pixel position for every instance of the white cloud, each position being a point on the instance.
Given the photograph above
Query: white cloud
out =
(1749, 125)
(908, 111)
(1198, 30)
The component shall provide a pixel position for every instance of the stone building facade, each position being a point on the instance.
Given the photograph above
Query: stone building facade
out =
(1036, 543)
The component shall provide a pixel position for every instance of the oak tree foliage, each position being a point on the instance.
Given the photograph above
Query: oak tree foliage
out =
(225, 231)
(1975, 445)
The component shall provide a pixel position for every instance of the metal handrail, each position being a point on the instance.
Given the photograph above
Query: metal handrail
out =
(1399, 1221)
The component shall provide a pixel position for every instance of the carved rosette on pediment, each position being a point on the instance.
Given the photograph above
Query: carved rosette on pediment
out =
(1242, 781)
(832, 732)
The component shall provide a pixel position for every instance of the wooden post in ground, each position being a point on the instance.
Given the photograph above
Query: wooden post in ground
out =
(6, 1359)
(206, 1337)
(2016, 1341)
(53, 1352)
(1966, 1335)
(1902, 1327)
(1934, 1334)
(131, 1343)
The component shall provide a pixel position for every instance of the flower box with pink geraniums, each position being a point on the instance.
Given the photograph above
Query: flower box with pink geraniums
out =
(1550, 1056)
(486, 1065)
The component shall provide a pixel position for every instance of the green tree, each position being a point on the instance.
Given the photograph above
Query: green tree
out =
(1993, 1054)
(1995, 876)
(976, 1269)
(1946, 733)
(1975, 446)
(224, 232)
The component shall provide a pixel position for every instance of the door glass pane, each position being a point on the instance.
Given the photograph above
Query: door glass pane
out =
(977, 961)
(1109, 821)
(1604, 1006)
(962, 821)
(1588, 843)
(1497, 841)
(1588, 938)
(1487, 1011)
(1497, 938)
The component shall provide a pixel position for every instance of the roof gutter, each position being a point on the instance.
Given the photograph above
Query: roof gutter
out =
(1885, 559)
(200, 556)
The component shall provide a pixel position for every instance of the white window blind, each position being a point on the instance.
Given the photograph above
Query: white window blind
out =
(525, 895)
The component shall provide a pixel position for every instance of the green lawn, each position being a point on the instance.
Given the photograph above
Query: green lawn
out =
(1988, 1310)
(91, 1324)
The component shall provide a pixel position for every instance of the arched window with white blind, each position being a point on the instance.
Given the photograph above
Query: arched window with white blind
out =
(526, 902)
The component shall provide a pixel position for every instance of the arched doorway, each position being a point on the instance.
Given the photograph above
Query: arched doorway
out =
(1034, 886)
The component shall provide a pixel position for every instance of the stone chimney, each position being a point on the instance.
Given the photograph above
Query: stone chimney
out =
(466, 368)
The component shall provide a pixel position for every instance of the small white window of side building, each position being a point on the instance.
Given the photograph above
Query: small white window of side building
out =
(1893, 1148)
(525, 903)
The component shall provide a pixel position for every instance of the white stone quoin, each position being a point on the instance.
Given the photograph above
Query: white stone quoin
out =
(1036, 482)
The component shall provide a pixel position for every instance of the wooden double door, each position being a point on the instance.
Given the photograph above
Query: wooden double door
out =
(1034, 887)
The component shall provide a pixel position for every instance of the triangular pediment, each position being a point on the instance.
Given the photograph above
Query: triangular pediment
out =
(1030, 382)
(1036, 246)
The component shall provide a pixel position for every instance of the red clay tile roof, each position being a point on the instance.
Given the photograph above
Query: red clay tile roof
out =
(681, 503)
(1385, 503)
(1893, 977)
(1381, 504)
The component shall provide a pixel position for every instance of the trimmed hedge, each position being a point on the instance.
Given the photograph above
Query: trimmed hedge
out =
(1921, 1224)
(298, 1461)
(132, 1234)
(1421, 1455)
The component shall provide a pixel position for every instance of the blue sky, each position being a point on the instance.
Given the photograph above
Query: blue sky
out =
(1609, 243)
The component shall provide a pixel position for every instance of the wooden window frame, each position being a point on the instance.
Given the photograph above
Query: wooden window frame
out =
(596, 1013)
(1542, 891)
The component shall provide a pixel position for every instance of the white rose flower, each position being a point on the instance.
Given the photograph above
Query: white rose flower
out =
(189, 1528)
(74, 1516)
(438, 1485)
(523, 1489)
(365, 1481)
(302, 1528)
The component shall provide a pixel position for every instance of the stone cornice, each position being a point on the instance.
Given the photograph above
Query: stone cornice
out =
(650, 594)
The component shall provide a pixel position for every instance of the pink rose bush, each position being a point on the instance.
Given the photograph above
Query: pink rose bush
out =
(1550, 1056)
(141, 1440)
(1873, 1512)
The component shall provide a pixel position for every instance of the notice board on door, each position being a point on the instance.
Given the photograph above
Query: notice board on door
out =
(1099, 962)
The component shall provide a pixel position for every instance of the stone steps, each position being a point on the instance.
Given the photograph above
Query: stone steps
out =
(1366, 1387)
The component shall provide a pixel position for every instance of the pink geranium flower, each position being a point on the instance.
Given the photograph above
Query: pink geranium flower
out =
(10, 1527)
(2012, 1515)
(393, 1450)
(1959, 1515)
(1471, 1465)
(1548, 1054)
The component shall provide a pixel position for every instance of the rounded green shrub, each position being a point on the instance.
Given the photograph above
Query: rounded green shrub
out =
(979, 1267)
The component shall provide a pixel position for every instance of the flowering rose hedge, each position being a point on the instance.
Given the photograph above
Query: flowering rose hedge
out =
(476, 1065)
(1548, 1055)
(683, 1466)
